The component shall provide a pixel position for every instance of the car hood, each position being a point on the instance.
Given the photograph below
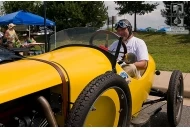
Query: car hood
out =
(27, 76)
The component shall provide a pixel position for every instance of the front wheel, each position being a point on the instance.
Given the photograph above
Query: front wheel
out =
(96, 105)
(175, 98)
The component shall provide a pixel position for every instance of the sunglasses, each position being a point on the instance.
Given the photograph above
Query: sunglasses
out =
(121, 24)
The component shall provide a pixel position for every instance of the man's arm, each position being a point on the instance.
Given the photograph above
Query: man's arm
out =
(141, 64)
(142, 53)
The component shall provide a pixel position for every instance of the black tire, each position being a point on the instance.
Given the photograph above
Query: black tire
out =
(175, 98)
(92, 91)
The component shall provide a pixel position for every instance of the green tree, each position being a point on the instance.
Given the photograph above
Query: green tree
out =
(69, 14)
(66, 14)
(135, 7)
(95, 16)
(13, 6)
(167, 12)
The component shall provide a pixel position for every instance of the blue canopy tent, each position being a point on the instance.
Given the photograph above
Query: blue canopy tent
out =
(25, 18)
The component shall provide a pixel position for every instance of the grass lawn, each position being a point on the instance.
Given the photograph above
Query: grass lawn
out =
(170, 52)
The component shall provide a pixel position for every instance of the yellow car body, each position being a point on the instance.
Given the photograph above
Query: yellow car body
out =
(80, 64)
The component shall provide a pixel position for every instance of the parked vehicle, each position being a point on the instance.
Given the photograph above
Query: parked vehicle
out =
(81, 85)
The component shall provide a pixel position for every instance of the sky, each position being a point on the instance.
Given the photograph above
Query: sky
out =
(153, 19)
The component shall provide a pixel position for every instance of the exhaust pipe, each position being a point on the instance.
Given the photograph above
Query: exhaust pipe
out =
(47, 111)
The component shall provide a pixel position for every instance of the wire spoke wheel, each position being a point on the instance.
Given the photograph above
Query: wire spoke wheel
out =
(105, 101)
(175, 98)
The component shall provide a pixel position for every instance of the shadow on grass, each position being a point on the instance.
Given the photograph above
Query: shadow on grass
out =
(148, 34)
(180, 39)
(183, 39)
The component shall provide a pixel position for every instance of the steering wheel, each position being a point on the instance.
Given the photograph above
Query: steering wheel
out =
(106, 45)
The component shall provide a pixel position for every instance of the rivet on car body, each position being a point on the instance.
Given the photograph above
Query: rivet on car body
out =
(122, 97)
(120, 110)
(93, 108)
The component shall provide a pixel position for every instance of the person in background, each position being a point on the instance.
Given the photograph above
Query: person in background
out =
(3, 41)
(2, 37)
(28, 40)
(11, 36)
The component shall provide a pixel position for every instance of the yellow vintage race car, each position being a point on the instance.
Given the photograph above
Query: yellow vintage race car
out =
(80, 85)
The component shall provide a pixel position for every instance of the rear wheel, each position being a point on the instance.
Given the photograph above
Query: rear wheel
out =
(96, 105)
(175, 98)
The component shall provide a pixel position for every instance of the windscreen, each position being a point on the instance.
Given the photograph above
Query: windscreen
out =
(77, 35)
(87, 36)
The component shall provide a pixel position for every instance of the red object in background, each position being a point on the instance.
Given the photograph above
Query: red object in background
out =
(103, 47)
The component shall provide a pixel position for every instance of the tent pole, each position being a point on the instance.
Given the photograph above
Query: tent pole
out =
(46, 44)
(55, 35)
(29, 31)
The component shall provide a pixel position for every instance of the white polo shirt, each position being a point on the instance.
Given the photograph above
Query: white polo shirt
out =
(134, 45)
